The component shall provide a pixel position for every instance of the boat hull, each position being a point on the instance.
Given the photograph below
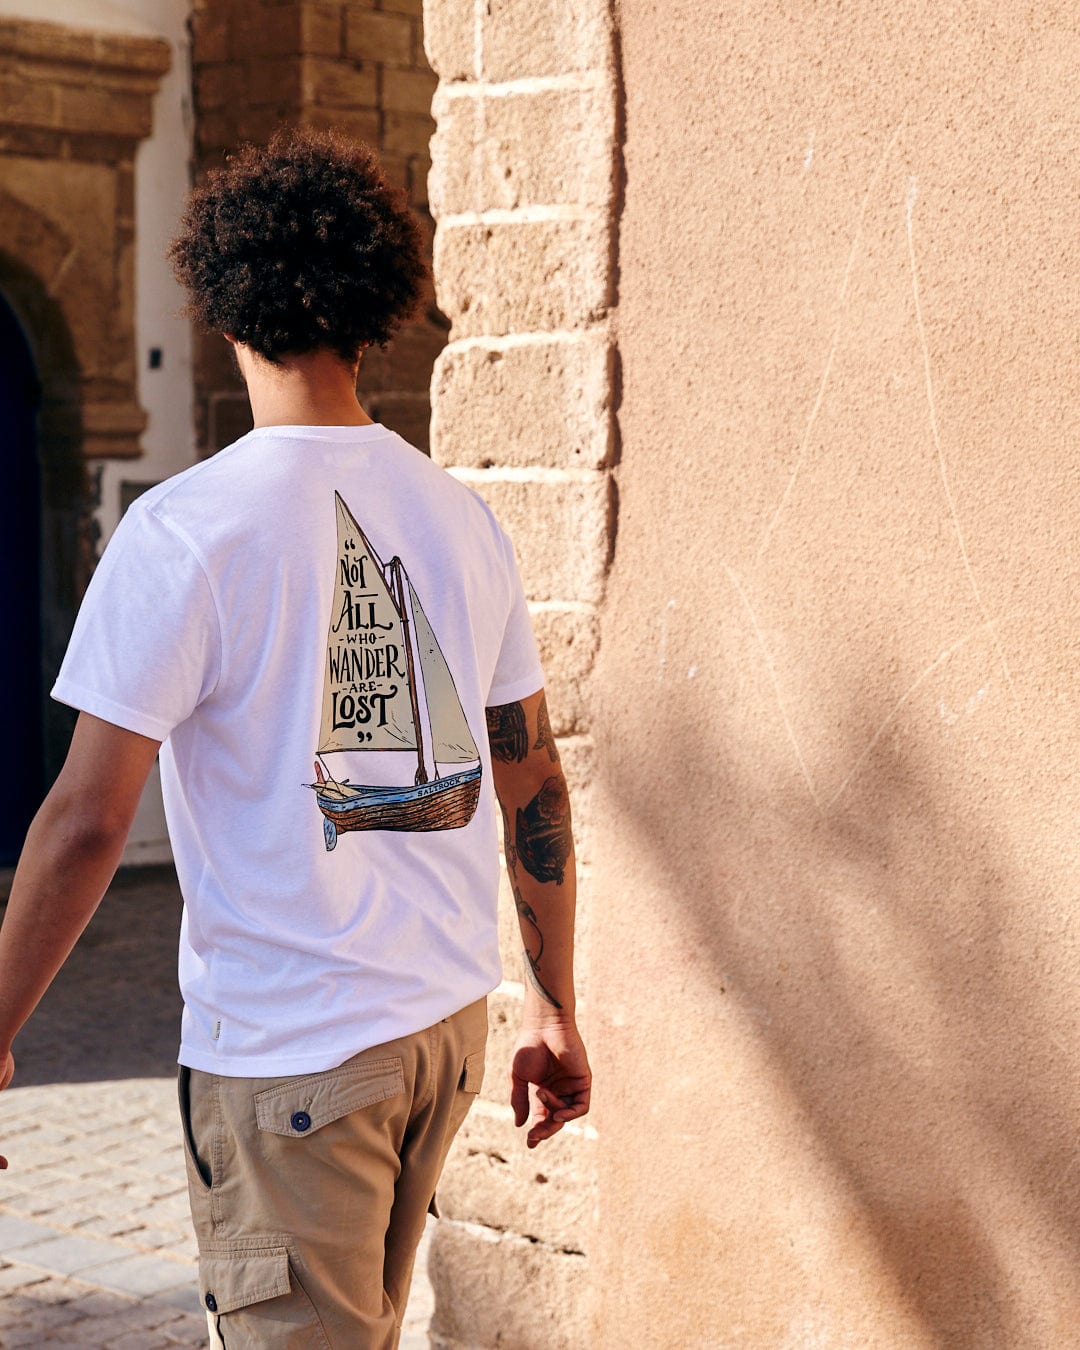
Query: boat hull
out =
(446, 804)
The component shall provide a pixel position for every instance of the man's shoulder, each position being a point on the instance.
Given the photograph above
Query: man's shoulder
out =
(172, 494)
(462, 488)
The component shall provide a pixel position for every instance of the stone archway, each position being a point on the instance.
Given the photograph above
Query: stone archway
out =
(76, 105)
(20, 588)
(55, 494)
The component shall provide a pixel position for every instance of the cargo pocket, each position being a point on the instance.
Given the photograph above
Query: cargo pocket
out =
(472, 1073)
(239, 1286)
(303, 1105)
(469, 1083)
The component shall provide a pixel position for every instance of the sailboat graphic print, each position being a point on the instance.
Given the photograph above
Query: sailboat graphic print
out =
(387, 687)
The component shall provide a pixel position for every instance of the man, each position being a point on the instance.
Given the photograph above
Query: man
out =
(311, 628)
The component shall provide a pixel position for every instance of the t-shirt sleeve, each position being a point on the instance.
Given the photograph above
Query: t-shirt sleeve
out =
(518, 671)
(145, 650)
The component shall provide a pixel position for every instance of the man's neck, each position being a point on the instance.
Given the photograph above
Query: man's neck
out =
(313, 389)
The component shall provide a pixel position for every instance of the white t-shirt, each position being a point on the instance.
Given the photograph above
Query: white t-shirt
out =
(313, 622)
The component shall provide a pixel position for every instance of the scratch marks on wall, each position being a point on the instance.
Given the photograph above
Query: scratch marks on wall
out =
(989, 624)
(733, 577)
(950, 718)
(894, 711)
(834, 342)
(943, 470)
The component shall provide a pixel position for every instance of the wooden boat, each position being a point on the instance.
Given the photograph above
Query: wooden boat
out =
(387, 688)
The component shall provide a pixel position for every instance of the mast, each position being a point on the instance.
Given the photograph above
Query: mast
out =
(403, 607)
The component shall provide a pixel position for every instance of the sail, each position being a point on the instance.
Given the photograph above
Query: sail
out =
(453, 742)
(367, 704)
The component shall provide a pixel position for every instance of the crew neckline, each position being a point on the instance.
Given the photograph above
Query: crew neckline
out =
(361, 431)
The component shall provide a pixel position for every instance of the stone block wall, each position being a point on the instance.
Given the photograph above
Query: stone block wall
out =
(357, 66)
(523, 191)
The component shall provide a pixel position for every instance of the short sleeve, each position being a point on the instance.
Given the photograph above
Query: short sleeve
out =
(145, 650)
(518, 671)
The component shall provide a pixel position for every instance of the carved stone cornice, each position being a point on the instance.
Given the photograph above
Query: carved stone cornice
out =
(58, 82)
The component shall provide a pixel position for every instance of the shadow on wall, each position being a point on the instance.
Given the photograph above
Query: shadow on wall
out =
(883, 953)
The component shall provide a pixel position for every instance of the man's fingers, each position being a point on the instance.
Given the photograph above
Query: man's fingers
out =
(569, 1107)
(519, 1099)
(548, 1089)
(538, 1115)
(541, 1130)
(552, 1116)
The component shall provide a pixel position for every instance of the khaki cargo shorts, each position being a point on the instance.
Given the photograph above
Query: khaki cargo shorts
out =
(309, 1194)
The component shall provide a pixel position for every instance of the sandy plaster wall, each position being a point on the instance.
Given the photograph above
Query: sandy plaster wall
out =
(837, 1023)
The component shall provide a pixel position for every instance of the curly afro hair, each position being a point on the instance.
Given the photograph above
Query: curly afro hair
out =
(301, 245)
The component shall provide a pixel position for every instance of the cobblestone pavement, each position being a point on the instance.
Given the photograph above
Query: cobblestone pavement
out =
(96, 1248)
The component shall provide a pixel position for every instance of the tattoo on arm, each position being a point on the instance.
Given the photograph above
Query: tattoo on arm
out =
(544, 739)
(528, 914)
(532, 965)
(542, 838)
(508, 735)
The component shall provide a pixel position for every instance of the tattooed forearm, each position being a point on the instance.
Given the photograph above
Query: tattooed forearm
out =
(526, 914)
(508, 735)
(542, 837)
(544, 739)
(532, 963)
(532, 972)
(508, 846)
(537, 843)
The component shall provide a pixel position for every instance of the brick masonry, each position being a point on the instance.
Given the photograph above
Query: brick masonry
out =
(523, 190)
(497, 1288)
(531, 400)
(497, 149)
(357, 66)
(537, 270)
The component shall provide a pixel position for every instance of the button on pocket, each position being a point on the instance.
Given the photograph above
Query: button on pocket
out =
(304, 1105)
(238, 1277)
(235, 1278)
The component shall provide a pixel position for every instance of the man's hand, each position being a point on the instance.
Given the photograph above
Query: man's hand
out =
(7, 1069)
(550, 1079)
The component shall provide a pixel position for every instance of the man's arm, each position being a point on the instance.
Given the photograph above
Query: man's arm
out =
(550, 1076)
(71, 852)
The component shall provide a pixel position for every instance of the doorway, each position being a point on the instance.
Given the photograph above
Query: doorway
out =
(22, 783)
